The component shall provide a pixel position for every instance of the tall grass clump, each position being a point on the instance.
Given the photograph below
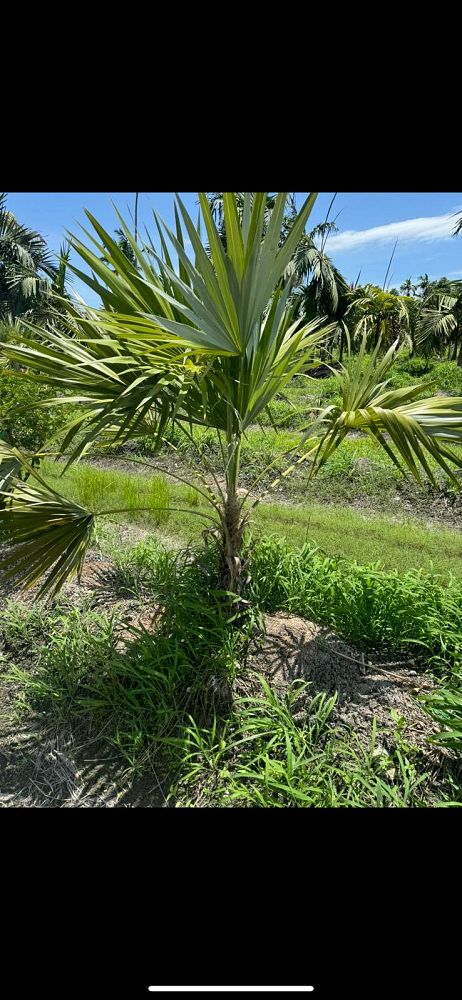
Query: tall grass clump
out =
(417, 612)
(95, 487)
(135, 684)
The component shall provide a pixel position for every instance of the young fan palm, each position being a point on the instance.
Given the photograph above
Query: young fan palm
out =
(207, 342)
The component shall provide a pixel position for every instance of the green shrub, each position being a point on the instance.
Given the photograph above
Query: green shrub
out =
(31, 429)
(448, 377)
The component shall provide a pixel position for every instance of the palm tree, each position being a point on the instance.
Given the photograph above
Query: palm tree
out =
(208, 343)
(215, 199)
(407, 288)
(424, 282)
(26, 266)
(326, 293)
(124, 245)
(309, 263)
(441, 324)
(458, 226)
(379, 315)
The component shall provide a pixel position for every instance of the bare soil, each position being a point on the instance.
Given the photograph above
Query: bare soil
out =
(296, 648)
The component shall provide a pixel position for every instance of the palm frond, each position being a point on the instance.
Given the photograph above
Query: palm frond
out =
(48, 533)
(406, 426)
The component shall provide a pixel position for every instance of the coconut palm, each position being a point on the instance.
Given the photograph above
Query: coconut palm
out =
(423, 284)
(324, 292)
(209, 343)
(379, 315)
(26, 265)
(407, 287)
(441, 322)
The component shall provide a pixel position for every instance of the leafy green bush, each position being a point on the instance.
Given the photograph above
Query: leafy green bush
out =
(32, 428)
(448, 377)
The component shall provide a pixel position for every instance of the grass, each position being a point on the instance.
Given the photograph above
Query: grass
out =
(161, 696)
(342, 531)
(337, 529)
(415, 612)
(158, 701)
(279, 751)
(445, 707)
(100, 489)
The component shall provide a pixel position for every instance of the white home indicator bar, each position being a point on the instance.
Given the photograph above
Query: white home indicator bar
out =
(231, 989)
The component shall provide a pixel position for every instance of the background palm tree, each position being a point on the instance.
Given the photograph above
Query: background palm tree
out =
(407, 287)
(26, 269)
(423, 284)
(441, 323)
(379, 316)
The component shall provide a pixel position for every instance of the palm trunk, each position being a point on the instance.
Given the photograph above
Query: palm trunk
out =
(459, 357)
(232, 527)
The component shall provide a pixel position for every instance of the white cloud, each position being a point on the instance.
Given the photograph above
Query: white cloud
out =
(435, 227)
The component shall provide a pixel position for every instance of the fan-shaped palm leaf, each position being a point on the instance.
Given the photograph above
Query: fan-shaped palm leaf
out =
(47, 532)
(415, 427)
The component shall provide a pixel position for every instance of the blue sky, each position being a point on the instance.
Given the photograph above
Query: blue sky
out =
(369, 224)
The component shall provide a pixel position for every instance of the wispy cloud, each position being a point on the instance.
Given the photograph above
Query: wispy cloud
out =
(435, 227)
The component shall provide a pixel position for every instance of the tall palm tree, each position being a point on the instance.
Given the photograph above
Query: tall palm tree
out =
(423, 284)
(379, 316)
(407, 287)
(209, 342)
(325, 293)
(441, 323)
(26, 267)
